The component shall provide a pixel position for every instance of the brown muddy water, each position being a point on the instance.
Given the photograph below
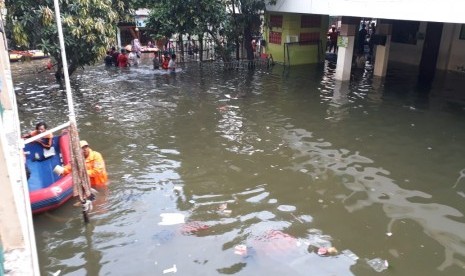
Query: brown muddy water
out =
(259, 169)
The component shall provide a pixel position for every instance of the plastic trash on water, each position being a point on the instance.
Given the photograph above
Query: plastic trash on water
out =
(240, 250)
(322, 251)
(332, 250)
(170, 270)
(351, 255)
(223, 206)
(58, 169)
(378, 264)
(171, 219)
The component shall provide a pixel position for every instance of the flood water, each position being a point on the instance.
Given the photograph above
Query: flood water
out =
(281, 162)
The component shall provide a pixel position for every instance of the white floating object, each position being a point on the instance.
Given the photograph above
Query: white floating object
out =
(58, 169)
(389, 234)
(378, 264)
(56, 273)
(170, 270)
(171, 219)
(240, 250)
(286, 208)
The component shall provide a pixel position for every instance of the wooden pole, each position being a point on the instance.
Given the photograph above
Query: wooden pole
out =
(81, 181)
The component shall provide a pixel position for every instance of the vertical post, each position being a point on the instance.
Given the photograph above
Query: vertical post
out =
(345, 50)
(72, 116)
(80, 177)
(382, 51)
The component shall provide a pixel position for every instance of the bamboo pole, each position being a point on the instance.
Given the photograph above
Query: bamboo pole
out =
(81, 181)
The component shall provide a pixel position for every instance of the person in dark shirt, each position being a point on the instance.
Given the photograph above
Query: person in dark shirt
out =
(362, 36)
(333, 39)
(108, 59)
(115, 55)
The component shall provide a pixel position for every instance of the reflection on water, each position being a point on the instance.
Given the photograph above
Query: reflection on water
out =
(276, 163)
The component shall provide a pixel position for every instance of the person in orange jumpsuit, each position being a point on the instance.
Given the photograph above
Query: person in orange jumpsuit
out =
(45, 142)
(94, 164)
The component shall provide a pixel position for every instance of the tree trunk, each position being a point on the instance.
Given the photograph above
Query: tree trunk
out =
(248, 42)
(181, 48)
(59, 75)
(201, 48)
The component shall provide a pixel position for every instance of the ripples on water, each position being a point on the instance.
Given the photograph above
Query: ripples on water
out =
(281, 161)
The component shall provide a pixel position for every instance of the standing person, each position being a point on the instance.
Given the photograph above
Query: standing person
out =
(95, 166)
(122, 59)
(47, 141)
(156, 61)
(362, 36)
(136, 47)
(108, 59)
(132, 59)
(115, 55)
(332, 39)
(172, 63)
(254, 47)
(165, 61)
(371, 43)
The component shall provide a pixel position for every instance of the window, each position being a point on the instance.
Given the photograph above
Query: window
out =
(310, 21)
(309, 38)
(276, 21)
(405, 31)
(275, 37)
(462, 32)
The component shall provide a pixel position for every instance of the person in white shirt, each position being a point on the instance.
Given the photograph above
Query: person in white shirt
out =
(172, 63)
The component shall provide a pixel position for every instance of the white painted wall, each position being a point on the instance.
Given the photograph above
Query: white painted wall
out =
(418, 10)
(457, 57)
(408, 53)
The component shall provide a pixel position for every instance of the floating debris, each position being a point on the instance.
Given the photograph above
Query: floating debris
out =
(378, 264)
(286, 208)
(170, 270)
(351, 255)
(240, 250)
(171, 219)
(332, 250)
(322, 251)
(325, 251)
(193, 227)
(223, 206)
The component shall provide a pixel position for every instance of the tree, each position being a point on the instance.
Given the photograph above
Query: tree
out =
(227, 21)
(192, 17)
(89, 28)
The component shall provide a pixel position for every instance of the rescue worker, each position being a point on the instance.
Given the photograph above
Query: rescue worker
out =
(94, 164)
(45, 142)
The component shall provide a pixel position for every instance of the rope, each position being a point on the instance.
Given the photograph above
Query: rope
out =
(81, 182)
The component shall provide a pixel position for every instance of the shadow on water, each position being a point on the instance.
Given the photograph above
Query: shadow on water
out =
(265, 167)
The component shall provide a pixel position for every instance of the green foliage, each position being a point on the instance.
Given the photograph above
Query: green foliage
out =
(227, 21)
(89, 27)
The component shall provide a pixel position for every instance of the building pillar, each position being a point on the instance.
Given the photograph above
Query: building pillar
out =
(382, 51)
(345, 43)
(118, 38)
